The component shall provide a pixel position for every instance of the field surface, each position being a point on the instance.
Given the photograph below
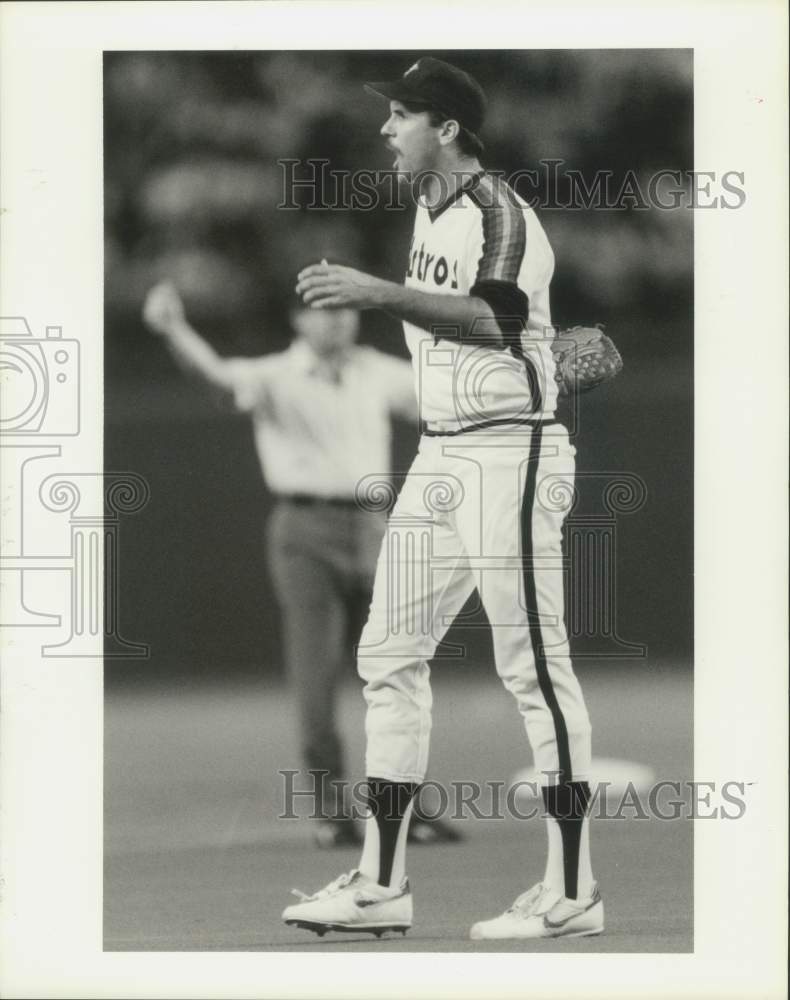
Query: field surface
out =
(197, 860)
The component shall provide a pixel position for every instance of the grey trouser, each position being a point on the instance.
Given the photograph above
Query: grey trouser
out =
(322, 560)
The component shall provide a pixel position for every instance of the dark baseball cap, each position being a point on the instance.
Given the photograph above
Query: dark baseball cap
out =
(436, 84)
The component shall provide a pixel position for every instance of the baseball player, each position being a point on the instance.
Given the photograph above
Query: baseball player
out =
(491, 486)
(321, 413)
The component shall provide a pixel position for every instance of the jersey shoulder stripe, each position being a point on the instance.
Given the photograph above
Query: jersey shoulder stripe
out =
(504, 230)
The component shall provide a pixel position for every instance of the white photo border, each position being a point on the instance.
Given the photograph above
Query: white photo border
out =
(52, 232)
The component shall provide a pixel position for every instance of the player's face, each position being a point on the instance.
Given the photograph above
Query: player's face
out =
(327, 331)
(412, 138)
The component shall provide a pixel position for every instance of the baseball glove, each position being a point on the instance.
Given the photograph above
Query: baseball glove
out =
(585, 358)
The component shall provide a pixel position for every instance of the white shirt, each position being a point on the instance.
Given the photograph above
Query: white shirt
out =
(483, 233)
(315, 434)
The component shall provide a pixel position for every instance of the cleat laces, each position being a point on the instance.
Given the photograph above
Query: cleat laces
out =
(339, 883)
(526, 904)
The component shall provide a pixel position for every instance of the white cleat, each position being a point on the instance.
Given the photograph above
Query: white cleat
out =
(543, 913)
(353, 902)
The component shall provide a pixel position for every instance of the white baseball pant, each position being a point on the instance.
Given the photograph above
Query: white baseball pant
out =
(477, 509)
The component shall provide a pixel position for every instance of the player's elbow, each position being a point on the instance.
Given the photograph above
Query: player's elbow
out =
(506, 309)
(484, 330)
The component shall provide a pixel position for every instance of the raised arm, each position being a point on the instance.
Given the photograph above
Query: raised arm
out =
(163, 313)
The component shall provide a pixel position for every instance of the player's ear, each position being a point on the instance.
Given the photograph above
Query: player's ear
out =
(449, 131)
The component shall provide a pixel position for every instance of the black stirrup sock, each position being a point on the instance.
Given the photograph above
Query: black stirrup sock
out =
(388, 802)
(567, 804)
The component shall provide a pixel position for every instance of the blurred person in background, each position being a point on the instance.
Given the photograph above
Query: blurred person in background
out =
(321, 413)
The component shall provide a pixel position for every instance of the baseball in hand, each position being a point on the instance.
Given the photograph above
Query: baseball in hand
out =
(163, 308)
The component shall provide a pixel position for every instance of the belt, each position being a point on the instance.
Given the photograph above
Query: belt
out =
(312, 500)
(436, 432)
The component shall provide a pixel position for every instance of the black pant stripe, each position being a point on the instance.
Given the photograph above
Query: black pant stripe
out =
(513, 342)
(533, 617)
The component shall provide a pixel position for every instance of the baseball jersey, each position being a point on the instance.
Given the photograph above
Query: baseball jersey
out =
(487, 242)
(319, 431)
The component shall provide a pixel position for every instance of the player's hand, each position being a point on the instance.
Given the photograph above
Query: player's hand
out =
(332, 286)
(163, 309)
